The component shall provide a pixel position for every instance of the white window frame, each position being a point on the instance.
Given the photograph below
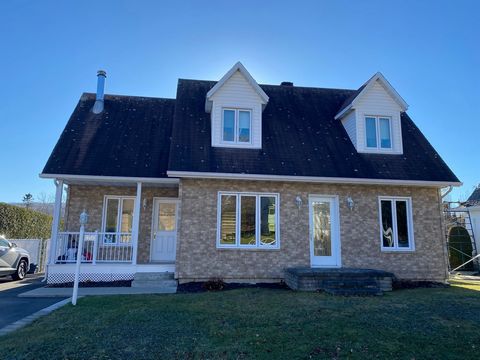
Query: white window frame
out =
(377, 132)
(236, 125)
(238, 220)
(411, 239)
(119, 218)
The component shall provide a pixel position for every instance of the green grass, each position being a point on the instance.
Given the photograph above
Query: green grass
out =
(258, 323)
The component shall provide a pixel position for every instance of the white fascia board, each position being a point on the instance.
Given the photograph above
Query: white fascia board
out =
(314, 179)
(388, 87)
(343, 112)
(109, 178)
(238, 66)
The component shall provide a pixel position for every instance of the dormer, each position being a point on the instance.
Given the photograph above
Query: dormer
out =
(235, 105)
(371, 117)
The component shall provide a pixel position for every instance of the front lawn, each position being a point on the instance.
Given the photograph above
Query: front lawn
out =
(258, 323)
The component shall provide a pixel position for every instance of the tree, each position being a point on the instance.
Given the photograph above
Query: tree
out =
(27, 200)
(44, 203)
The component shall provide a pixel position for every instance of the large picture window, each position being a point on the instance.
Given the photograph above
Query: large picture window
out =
(396, 224)
(247, 220)
(236, 126)
(117, 219)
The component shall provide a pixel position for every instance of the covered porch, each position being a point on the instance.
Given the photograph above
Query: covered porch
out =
(131, 228)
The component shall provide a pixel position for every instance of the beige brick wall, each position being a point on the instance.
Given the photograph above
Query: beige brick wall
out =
(198, 257)
(91, 199)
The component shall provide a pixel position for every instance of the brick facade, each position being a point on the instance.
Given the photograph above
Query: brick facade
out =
(91, 199)
(198, 257)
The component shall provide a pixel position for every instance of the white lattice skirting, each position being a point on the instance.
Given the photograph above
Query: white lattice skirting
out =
(64, 273)
(60, 278)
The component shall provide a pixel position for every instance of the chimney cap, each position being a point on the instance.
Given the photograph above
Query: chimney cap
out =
(286, 83)
(102, 73)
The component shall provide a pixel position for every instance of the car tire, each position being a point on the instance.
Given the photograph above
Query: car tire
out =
(21, 270)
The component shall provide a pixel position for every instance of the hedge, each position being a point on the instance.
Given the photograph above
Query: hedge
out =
(22, 223)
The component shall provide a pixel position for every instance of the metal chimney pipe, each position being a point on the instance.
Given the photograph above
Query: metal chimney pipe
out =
(98, 106)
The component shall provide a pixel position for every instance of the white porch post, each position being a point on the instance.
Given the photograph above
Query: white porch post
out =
(57, 210)
(136, 223)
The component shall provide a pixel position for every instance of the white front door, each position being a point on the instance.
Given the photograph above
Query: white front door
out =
(324, 231)
(164, 242)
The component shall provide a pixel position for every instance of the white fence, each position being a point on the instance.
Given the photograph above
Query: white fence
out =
(38, 250)
(97, 247)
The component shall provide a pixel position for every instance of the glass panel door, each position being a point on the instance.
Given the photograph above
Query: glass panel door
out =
(324, 234)
(165, 230)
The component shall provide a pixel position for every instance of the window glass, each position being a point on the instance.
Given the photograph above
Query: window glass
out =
(385, 141)
(112, 215)
(371, 131)
(228, 219)
(387, 223)
(322, 234)
(267, 220)
(228, 125)
(4, 242)
(127, 215)
(166, 217)
(244, 126)
(402, 223)
(247, 216)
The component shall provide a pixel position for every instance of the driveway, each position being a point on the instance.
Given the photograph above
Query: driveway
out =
(15, 308)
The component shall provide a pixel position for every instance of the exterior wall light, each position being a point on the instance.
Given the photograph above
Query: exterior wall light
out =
(350, 203)
(298, 202)
(144, 203)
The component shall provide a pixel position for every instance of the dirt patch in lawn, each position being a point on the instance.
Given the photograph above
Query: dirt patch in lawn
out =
(197, 287)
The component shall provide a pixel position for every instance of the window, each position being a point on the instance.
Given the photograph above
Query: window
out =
(4, 243)
(117, 219)
(167, 217)
(237, 126)
(396, 224)
(378, 132)
(247, 220)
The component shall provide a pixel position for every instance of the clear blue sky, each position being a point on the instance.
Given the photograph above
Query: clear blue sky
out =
(50, 51)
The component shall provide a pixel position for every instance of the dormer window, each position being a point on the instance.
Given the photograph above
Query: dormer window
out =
(235, 104)
(378, 132)
(236, 124)
(372, 117)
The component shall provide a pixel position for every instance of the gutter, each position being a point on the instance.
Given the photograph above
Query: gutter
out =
(313, 179)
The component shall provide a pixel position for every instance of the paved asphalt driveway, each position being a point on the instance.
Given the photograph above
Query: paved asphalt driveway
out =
(14, 308)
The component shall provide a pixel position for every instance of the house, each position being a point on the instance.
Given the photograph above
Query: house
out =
(240, 181)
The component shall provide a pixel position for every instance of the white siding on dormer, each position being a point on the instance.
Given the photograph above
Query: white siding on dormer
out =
(239, 94)
(377, 102)
(349, 123)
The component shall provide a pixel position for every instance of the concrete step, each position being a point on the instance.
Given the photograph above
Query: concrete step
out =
(155, 280)
(154, 283)
(154, 276)
(350, 284)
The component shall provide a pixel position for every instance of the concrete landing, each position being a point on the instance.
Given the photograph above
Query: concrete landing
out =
(339, 281)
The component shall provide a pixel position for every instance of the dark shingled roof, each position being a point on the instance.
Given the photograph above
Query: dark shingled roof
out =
(300, 138)
(352, 97)
(474, 198)
(131, 137)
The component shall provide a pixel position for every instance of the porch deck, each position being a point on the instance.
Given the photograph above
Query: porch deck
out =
(339, 281)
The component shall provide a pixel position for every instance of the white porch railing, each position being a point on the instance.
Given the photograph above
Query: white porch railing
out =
(97, 247)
